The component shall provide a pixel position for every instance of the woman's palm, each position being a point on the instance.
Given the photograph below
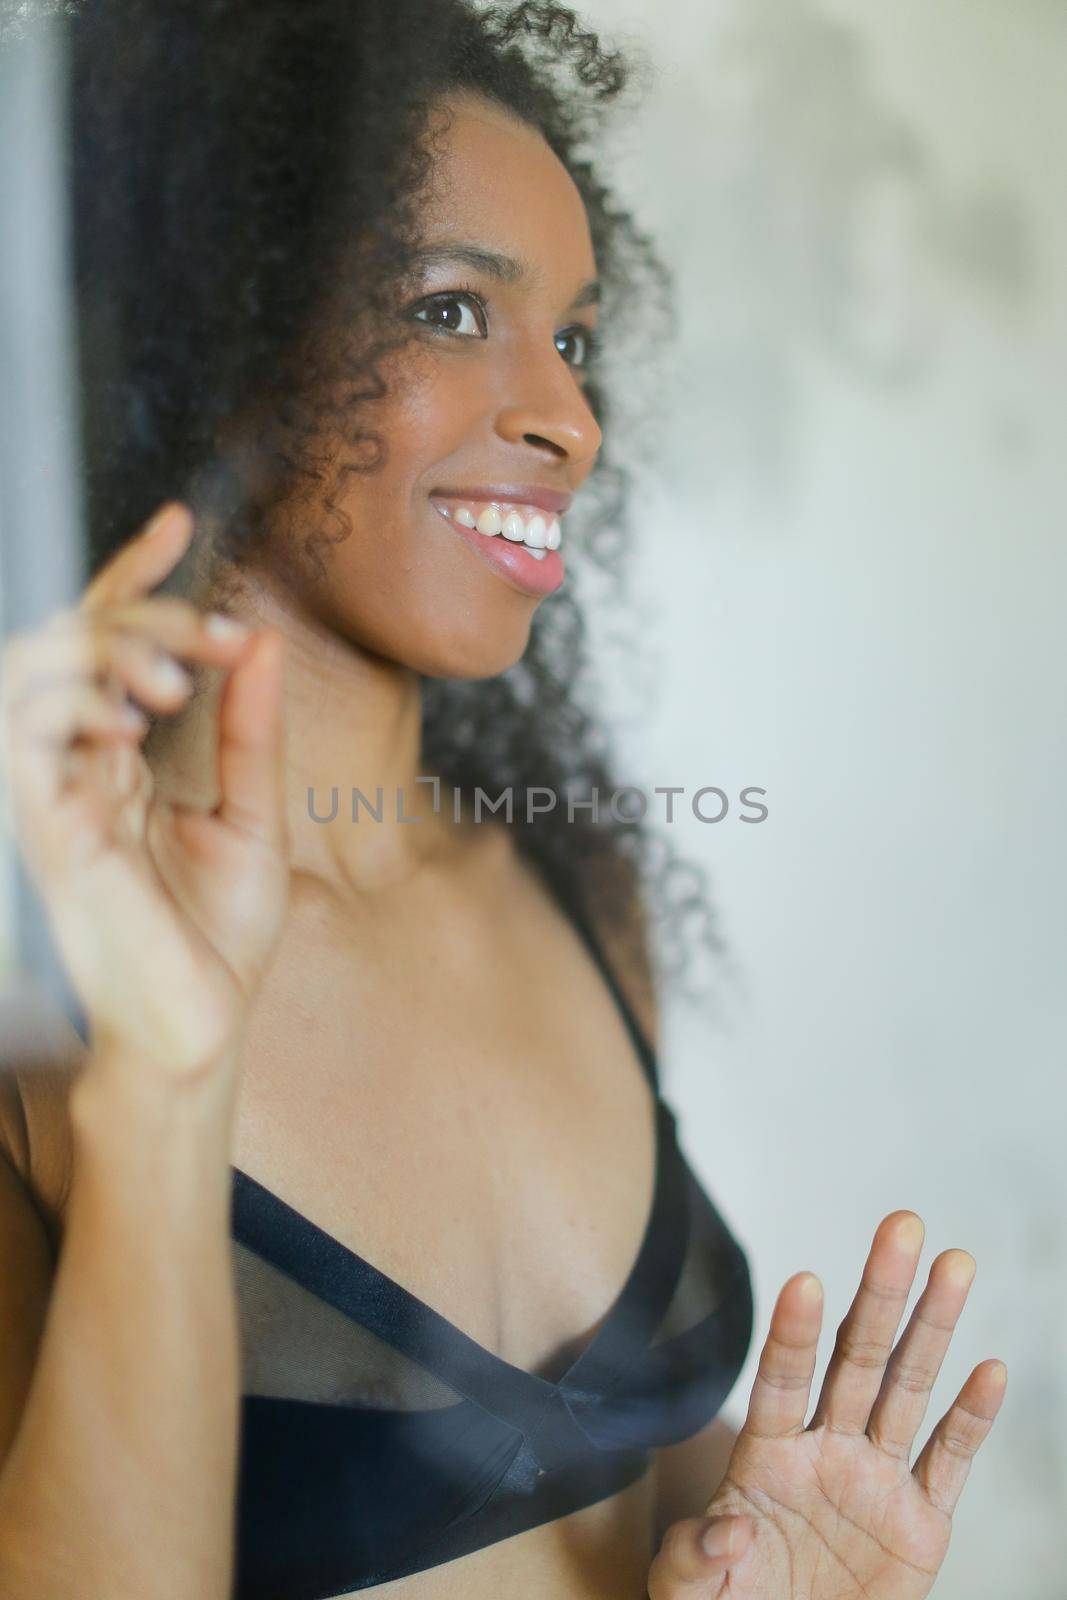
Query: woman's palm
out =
(835, 1508)
(838, 1517)
(832, 1510)
(199, 892)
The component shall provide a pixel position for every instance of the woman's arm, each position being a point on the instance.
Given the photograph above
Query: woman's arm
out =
(119, 1374)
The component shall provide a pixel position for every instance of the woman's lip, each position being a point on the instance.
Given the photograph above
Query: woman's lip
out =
(553, 500)
(512, 561)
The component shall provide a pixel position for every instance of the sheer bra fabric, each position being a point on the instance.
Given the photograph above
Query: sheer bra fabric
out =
(378, 1439)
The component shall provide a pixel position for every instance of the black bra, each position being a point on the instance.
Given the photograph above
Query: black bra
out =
(378, 1439)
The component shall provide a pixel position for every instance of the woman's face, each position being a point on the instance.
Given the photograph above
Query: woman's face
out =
(485, 411)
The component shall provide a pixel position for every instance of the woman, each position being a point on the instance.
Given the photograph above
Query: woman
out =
(367, 1133)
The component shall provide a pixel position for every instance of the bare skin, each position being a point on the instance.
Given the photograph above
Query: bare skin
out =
(401, 1022)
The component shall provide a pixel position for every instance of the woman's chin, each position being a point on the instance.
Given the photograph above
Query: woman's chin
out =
(471, 655)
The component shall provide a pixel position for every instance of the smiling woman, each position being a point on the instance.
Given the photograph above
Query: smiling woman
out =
(320, 325)
(346, 279)
(356, 1247)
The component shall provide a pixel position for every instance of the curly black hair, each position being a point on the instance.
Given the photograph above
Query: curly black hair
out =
(247, 173)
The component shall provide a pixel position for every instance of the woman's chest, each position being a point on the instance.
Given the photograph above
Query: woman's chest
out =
(602, 1552)
(459, 1143)
(457, 1099)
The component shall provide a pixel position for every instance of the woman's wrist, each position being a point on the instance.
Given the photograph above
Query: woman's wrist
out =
(119, 1097)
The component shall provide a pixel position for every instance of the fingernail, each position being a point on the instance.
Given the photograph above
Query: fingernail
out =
(962, 1269)
(163, 518)
(131, 717)
(221, 626)
(718, 1538)
(168, 674)
(911, 1233)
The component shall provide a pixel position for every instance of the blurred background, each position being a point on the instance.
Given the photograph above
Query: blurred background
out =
(854, 571)
(850, 572)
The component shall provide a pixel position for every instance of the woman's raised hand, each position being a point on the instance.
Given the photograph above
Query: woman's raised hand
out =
(165, 915)
(833, 1510)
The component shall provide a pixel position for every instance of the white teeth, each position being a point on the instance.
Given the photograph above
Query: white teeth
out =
(538, 555)
(538, 534)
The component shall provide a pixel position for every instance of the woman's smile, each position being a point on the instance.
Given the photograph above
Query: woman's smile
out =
(516, 529)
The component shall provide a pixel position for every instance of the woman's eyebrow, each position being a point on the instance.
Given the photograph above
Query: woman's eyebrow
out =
(496, 265)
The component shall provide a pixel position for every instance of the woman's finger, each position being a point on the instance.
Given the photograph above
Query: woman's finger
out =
(116, 662)
(66, 687)
(865, 1337)
(210, 637)
(142, 663)
(694, 1560)
(82, 710)
(942, 1468)
(782, 1388)
(142, 561)
(250, 756)
(68, 732)
(898, 1411)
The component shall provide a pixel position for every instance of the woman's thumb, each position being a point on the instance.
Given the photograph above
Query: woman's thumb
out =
(724, 1538)
(250, 750)
(696, 1550)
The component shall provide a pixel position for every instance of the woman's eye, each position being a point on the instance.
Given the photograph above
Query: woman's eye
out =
(586, 341)
(445, 312)
(464, 315)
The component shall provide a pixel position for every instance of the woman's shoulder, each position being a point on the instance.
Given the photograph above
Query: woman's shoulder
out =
(627, 946)
(624, 936)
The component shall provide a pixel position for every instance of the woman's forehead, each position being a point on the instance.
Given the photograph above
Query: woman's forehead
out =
(497, 181)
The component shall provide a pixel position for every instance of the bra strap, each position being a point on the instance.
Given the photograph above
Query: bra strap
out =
(642, 1045)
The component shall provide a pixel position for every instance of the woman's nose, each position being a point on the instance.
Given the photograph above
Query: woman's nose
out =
(545, 407)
